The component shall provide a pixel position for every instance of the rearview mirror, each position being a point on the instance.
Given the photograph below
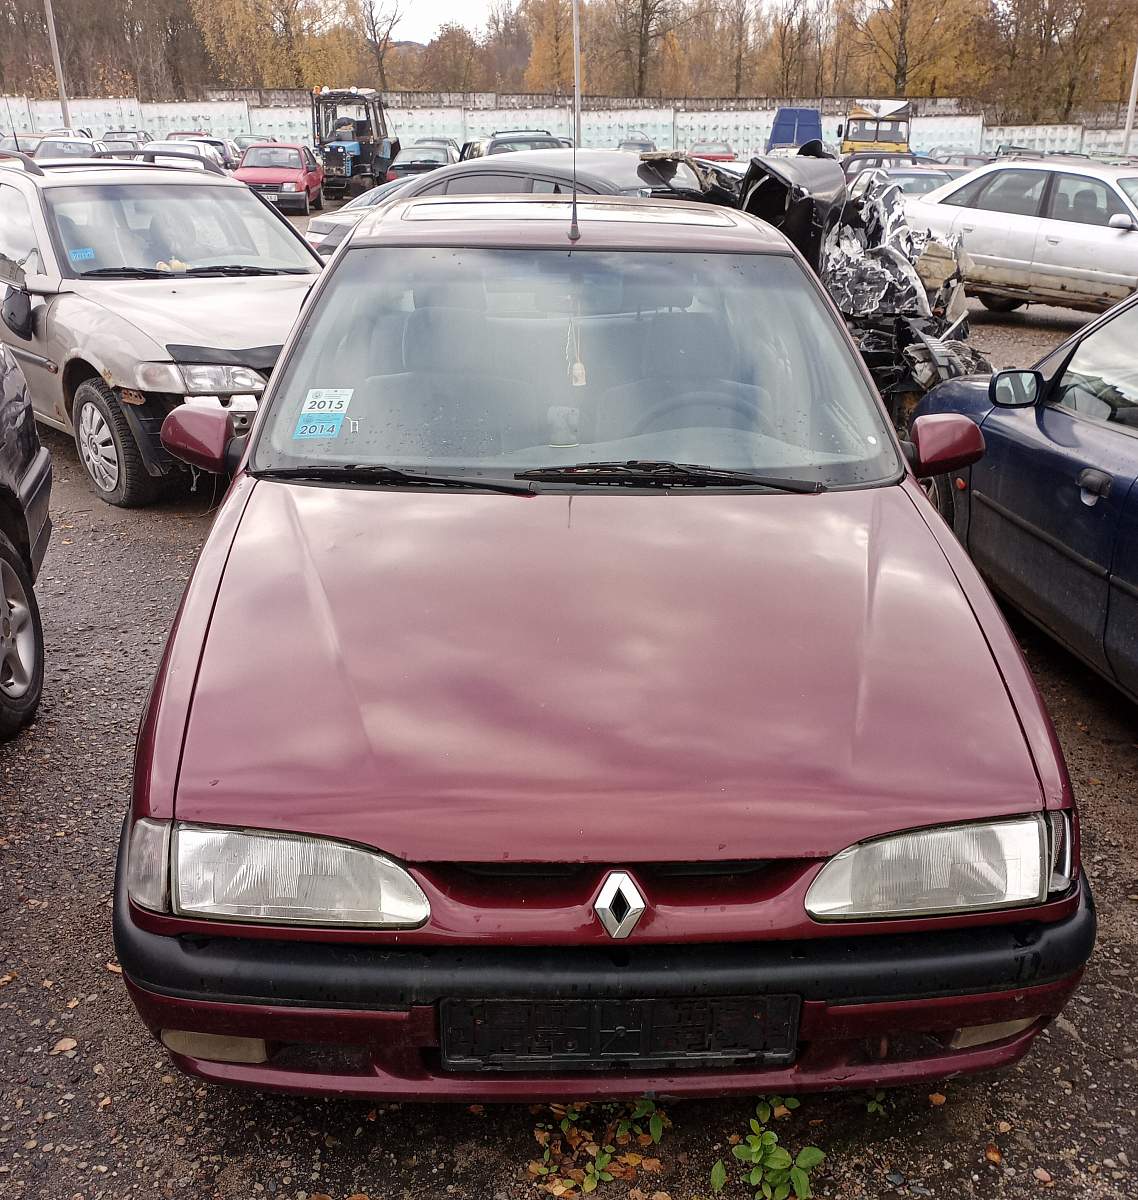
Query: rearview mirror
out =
(944, 442)
(202, 437)
(16, 313)
(1015, 389)
(1123, 221)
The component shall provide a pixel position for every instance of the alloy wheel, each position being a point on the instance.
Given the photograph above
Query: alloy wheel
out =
(97, 448)
(17, 635)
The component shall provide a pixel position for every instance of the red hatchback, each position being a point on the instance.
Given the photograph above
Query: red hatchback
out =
(287, 175)
(578, 695)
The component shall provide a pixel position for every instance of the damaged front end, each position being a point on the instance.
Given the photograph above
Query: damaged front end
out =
(901, 292)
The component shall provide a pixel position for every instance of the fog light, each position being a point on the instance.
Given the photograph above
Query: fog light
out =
(981, 1035)
(214, 1047)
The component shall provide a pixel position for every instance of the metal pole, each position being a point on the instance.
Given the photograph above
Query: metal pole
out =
(1130, 108)
(58, 65)
(577, 74)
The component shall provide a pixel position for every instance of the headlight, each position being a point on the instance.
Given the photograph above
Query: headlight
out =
(951, 869)
(290, 187)
(242, 875)
(221, 381)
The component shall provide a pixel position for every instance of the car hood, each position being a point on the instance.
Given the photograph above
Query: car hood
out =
(268, 174)
(222, 314)
(468, 677)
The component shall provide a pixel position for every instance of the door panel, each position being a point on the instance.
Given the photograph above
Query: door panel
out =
(1049, 493)
(999, 225)
(1077, 254)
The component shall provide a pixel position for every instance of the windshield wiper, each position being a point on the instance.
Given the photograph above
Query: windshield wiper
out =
(126, 273)
(379, 474)
(660, 472)
(243, 269)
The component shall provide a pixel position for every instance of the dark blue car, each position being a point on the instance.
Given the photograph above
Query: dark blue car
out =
(1050, 513)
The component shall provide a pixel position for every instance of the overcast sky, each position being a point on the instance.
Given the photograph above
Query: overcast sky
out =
(423, 17)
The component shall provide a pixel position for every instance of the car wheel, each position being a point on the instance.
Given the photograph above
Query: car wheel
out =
(307, 204)
(21, 644)
(318, 203)
(107, 448)
(1000, 304)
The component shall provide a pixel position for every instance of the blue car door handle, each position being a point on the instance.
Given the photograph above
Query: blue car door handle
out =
(1096, 483)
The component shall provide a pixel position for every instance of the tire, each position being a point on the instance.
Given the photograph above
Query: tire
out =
(939, 490)
(1000, 304)
(318, 203)
(21, 644)
(107, 449)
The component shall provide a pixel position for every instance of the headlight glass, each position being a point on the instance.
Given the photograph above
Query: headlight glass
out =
(147, 864)
(289, 187)
(209, 380)
(242, 875)
(954, 868)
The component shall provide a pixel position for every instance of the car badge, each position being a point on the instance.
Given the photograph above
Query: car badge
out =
(619, 905)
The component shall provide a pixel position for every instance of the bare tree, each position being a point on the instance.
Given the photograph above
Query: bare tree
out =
(379, 20)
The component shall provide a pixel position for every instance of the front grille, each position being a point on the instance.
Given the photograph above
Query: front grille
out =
(646, 871)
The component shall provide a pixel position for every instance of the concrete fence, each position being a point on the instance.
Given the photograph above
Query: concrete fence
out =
(939, 125)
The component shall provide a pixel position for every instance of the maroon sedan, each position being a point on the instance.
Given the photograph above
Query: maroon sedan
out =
(286, 175)
(577, 695)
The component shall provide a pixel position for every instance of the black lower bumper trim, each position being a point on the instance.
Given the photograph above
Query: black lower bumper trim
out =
(890, 967)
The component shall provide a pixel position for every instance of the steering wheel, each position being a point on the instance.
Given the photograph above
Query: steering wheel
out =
(753, 416)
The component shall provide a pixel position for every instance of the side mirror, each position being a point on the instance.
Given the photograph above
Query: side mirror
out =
(16, 313)
(201, 437)
(841, 130)
(1015, 389)
(1123, 221)
(944, 442)
(11, 272)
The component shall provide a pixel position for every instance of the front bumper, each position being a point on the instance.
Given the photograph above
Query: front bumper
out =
(347, 1019)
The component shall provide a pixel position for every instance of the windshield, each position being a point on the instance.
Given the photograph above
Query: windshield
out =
(168, 227)
(1130, 186)
(711, 148)
(273, 156)
(918, 185)
(65, 148)
(422, 154)
(493, 361)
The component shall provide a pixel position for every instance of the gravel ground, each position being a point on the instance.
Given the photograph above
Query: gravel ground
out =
(89, 1107)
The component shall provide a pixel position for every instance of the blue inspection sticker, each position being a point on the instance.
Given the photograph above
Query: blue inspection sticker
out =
(81, 254)
(313, 425)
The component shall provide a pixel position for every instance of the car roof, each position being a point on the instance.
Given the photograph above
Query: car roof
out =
(1054, 162)
(608, 168)
(69, 172)
(542, 222)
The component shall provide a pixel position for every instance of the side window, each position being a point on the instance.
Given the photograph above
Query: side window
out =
(436, 189)
(1101, 380)
(1015, 192)
(17, 239)
(546, 187)
(309, 161)
(1082, 200)
(486, 184)
(965, 197)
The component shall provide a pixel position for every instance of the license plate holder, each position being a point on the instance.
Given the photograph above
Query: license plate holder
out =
(617, 1034)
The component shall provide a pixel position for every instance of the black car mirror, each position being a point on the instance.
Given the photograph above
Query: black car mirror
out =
(16, 312)
(1015, 389)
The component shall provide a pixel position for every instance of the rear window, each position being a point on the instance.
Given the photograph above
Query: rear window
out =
(64, 148)
(422, 154)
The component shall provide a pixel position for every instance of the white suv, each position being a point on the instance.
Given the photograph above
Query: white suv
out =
(1056, 231)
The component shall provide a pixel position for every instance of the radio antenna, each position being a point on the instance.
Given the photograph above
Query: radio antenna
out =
(574, 228)
(12, 122)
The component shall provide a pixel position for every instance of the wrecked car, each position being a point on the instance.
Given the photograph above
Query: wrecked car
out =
(614, 603)
(901, 291)
(132, 288)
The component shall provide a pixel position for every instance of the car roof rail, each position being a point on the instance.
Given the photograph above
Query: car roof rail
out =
(30, 165)
(501, 132)
(148, 157)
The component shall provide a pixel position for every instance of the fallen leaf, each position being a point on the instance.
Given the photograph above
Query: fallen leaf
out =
(6, 978)
(937, 1099)
(105, 1102)
(652, 1166)
(359, 1196)
(779, 1111)
(637, 1194)
(63, 1045)
(476, 1109)
(632, 1160)
(992, 1154)
(115, 969)
(72, 1003)
(1042, 1175)
(661, 1196)
(644, 1139)
(1004, 1127)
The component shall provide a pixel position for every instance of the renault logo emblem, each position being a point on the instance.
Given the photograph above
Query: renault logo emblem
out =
(619, 905)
